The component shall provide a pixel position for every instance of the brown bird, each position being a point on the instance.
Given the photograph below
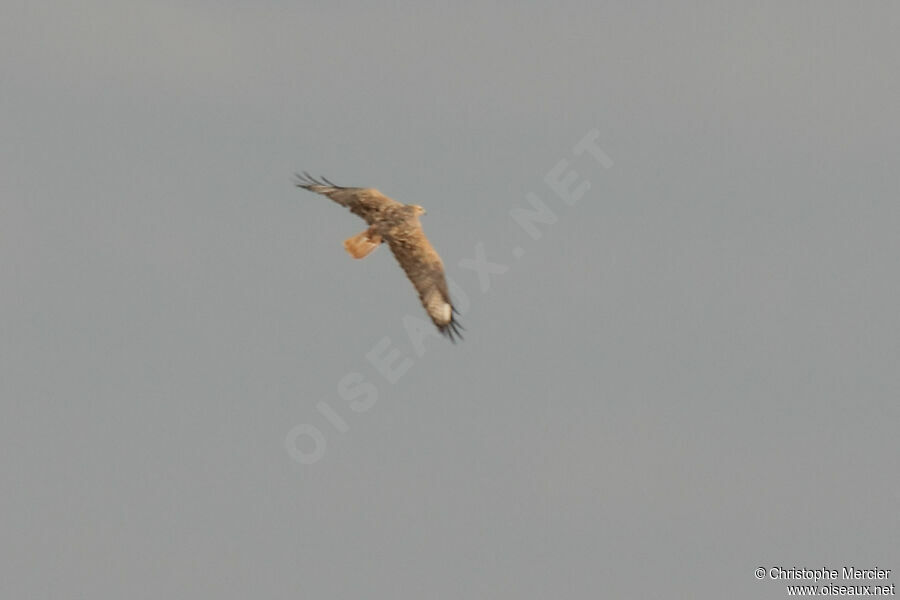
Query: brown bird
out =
(398, 225)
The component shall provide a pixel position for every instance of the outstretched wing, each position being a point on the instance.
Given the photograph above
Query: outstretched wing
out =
(425, 270)
(368, 203)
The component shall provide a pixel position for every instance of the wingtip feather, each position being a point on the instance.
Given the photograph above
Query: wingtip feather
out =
(452, 330)
(307, 181)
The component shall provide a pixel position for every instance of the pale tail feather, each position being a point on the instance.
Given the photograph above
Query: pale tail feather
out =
(361, 245)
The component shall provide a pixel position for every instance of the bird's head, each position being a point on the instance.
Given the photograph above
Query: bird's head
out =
(418, 210)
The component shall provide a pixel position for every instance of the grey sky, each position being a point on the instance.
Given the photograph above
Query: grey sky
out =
(691, 374)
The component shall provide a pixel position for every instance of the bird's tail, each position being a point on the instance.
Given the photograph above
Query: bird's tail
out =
(362, 244)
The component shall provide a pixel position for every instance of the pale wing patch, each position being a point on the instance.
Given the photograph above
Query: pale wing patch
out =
(439, 309)
(362, 244)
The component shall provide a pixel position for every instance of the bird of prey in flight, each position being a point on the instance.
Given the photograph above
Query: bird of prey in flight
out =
(398, 225)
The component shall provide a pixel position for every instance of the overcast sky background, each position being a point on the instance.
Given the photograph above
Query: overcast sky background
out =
(692, 373)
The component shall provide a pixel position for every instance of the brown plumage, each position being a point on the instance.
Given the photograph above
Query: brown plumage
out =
(398, 225)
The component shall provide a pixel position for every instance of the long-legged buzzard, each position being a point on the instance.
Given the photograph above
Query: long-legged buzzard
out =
(398, 225)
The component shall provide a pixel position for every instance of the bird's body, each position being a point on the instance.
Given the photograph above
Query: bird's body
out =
(398, 225)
